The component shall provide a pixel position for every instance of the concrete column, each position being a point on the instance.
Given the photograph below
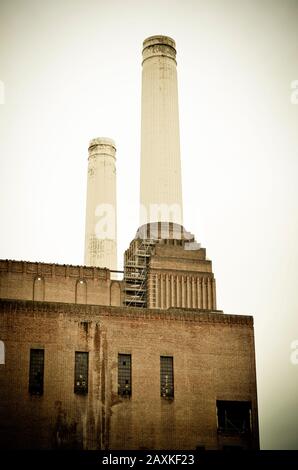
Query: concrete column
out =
(194, 297)
(188, 291)
(157, 293)
(100, 227)
(164, 299)
(209, 290)
(173, 293)
(204, 291)
(152, 291)
(213, 294)
(199, 292)
(166, 292)
(169, 289)
(178, 291)
(161, 194)
(182, 291)
(161, 292)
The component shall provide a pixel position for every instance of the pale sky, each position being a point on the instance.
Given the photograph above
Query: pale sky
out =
(71, 71)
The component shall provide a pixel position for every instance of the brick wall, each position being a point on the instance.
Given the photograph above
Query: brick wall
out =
(213, 360)
(58, 283)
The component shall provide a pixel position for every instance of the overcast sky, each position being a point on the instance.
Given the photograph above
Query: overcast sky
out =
(71, 71)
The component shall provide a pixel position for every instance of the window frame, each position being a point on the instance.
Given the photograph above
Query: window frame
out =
(124, 373)
(224, 411)
(163, 390)
(80, 389)
(36, 387)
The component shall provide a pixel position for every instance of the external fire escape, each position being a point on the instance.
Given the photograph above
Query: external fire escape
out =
(135, 272)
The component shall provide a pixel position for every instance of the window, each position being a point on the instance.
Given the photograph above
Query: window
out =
(124, 374)
(81, 373)
(36, 371)
(233, 417)
(166, 377)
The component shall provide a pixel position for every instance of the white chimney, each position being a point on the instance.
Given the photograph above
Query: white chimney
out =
(161, 193)
(100, 238)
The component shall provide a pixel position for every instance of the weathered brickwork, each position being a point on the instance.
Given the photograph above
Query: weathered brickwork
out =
(213, 357)
(58, 283)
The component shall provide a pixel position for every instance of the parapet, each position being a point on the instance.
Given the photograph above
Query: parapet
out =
(53, 269)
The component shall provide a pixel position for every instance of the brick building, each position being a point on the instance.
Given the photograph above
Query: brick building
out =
(88, 361)
(82, 371)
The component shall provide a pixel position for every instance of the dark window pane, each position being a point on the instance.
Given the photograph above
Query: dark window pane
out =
(81, 373)
(233, 416)
(124, 374)
(166, 377)
(36, 371)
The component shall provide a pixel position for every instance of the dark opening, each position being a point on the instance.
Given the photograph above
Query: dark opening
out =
(124, 374)
(36, 371)
(166, 377)
(81, 373)
(234, 417)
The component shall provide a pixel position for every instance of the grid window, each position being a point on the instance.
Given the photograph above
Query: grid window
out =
(166, 377)
(81, 373)
(233, 416)
(36, 371)
(124, 374)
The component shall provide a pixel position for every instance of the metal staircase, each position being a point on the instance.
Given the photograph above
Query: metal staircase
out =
(136, 261)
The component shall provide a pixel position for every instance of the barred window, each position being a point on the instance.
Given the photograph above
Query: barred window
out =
(124, 374)
(166, 377)
(233, 417)
(81, 373)
(36, 371)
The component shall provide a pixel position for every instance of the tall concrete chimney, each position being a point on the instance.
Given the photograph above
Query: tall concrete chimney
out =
(100, 238)
(161, 193)
(163, 265)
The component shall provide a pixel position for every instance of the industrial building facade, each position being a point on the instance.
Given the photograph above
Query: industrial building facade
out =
(91, 361)
(104, 376)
